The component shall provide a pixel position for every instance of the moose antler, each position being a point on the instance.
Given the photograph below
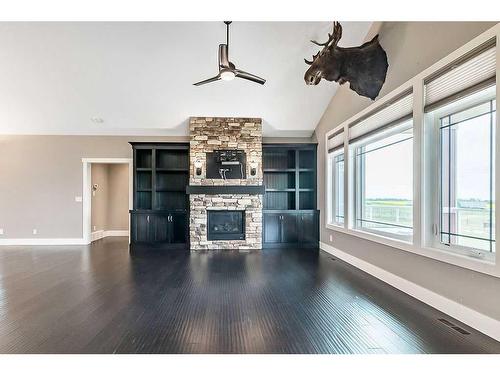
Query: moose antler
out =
(332, 41)
(310, 62)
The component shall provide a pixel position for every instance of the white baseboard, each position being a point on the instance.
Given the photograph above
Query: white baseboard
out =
(97, 235)
(40, 241)
(116, 233)
(60, 241)
(472, 318)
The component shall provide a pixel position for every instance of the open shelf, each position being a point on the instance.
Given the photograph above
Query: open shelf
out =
(307, 159)
(307, 200)
(277, 170)
(144, 158)
(172, 170)
(143, 180)
(172, 159)
(307, 180)
(176, 181)
(143, 200)
(282, 180)
(289, 177)
(278, 200)
(171, 200)
(278, 159)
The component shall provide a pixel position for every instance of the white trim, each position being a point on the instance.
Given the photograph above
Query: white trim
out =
(99, 234)
(460, 260)
(107, 160)
(40, 241)
(86, 188)
(116, 233)
(472, 318)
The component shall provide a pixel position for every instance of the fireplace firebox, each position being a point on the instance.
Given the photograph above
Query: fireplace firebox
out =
(225, 225)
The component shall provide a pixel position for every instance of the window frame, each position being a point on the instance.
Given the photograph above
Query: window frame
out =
(332, 188)
(434, 122)
(423, 193)
(358, 176)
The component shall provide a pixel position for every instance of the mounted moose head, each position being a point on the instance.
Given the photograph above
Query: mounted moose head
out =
(364, 67)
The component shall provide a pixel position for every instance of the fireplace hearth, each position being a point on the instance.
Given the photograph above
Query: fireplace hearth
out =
(225, 225)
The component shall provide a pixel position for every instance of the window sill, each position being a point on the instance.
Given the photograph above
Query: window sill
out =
(475, 264)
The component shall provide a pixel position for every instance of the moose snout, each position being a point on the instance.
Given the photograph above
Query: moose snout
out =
(312, 79)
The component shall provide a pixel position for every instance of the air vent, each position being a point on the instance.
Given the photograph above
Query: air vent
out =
(447, 322)
(453, 326)
(461, 330)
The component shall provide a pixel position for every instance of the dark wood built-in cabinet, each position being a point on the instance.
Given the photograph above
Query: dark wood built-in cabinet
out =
(160, 218)
(290, 215)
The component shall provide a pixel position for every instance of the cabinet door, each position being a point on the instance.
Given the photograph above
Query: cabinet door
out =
(142, 228)
(161, 228)
(178, 228)
(308, 228)
(289, 228)
(272, 228)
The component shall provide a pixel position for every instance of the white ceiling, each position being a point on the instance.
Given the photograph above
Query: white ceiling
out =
(54, 77)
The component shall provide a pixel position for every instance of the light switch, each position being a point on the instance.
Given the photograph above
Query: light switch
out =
(1, 231)
(78, 199)
(35, 231)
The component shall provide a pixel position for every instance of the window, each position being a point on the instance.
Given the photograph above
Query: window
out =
(384, 183)
(336, 177)
(467, 176)
(418, 165)
(336, 187)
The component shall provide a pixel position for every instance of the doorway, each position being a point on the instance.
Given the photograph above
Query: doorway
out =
(107, 197)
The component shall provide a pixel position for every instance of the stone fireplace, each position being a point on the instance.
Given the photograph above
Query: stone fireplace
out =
(238, 223)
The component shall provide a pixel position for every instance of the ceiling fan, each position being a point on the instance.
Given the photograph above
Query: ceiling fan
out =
(227, 70)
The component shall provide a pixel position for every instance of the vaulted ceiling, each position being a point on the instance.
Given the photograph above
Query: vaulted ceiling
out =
(137, 77)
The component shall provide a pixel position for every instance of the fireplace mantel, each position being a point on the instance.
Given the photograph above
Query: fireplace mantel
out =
(225, 189)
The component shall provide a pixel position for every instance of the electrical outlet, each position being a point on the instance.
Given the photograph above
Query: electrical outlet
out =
(94, 228)
(1, 231)
(331, 238)
(35, 231)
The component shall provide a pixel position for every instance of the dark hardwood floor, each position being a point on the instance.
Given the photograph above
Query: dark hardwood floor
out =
(99, 299)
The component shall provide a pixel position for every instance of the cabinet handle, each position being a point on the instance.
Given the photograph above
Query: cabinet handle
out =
(148, 218)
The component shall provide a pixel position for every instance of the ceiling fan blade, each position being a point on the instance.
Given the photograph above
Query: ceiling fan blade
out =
(223, 56)
(213, 79)
(249, 76)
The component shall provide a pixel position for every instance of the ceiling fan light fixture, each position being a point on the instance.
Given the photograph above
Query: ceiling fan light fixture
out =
(227, 75)
(227, 70)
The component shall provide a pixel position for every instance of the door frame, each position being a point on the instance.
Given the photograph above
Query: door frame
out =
(87, 191)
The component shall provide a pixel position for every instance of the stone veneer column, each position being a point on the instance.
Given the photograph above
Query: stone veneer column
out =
(213, 133)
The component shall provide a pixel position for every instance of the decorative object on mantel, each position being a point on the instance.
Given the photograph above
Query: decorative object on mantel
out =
(227, 70)
(364, 67)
